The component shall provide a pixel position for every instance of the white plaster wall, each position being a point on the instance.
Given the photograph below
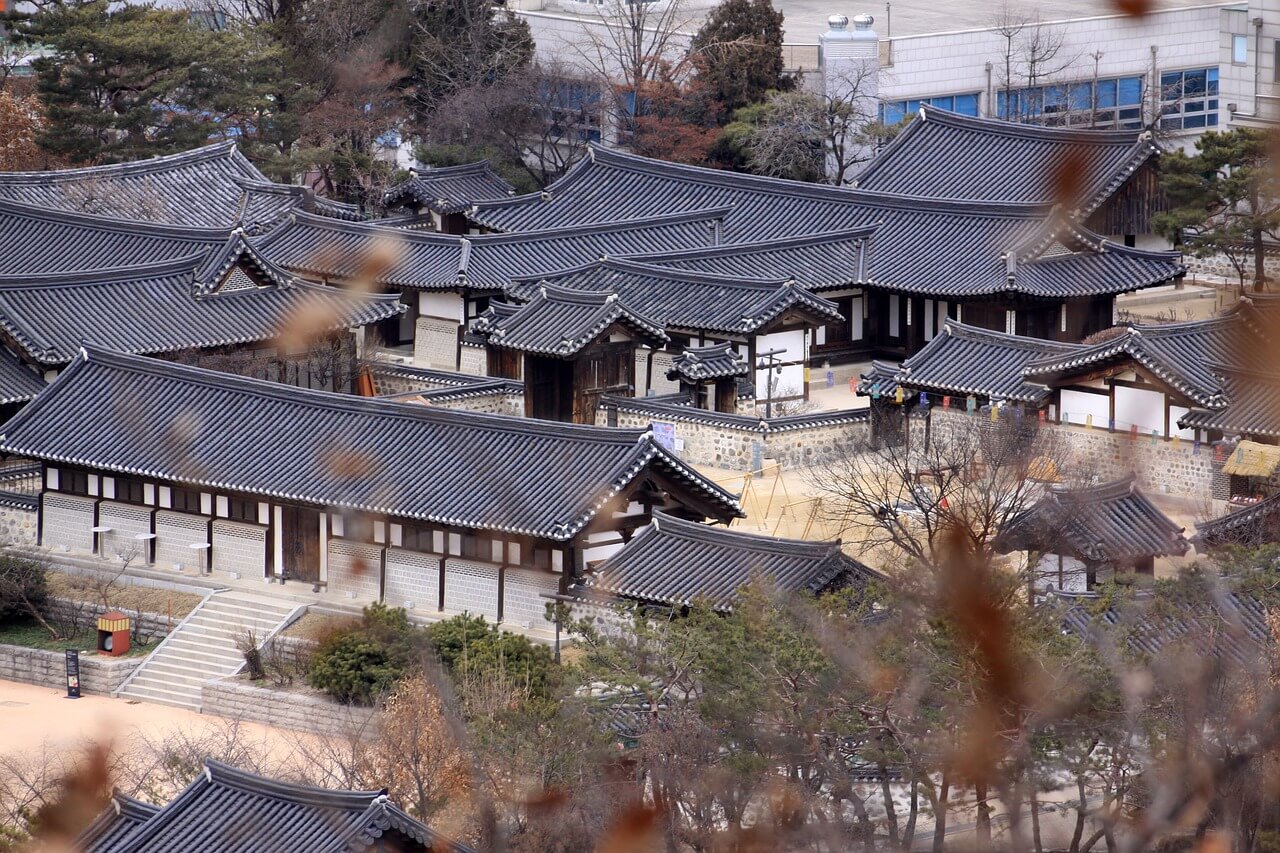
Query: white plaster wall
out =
(791, 381)
(1136, 406)
(1076, 406)
(446, 305)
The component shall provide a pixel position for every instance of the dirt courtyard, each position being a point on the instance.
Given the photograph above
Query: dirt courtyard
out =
(33, 716)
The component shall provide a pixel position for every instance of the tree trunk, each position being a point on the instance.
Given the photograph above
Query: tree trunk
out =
(983, 827)
(864, 822)
(1259, 263)
(909, 832)
(891, 814)
(940, 816)
(1080, 817)
(1033, 801)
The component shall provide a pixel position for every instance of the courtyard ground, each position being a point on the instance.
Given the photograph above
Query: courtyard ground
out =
(32, 716)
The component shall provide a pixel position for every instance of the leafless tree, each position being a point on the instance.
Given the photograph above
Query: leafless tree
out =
(1032, 54)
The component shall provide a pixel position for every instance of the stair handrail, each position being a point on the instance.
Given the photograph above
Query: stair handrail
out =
(160, 645)
(289, 619)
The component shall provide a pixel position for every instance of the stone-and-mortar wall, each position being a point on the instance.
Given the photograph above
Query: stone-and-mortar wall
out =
(723, 445)
(17, 525)
(99, 674)
(306, 712)
(498, 403)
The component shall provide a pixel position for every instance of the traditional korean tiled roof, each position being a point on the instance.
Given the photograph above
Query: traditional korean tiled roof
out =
(121, 817)
(234, 811)
(1181, 354)
(1233, 625)
(717, 361)
(40, 240)
(1252, 404)
(1111, 523)
(320, 247)
(946, 155)
(184, 424)
(676, 562)
(449, 189)
(964, 360)
(966, 254)
(1248, 526)
(881, 378)
(560, 322)
(679, 407)
(18, 382)
(682, 299)
(206, 187)
(165, 308)
(816, 261)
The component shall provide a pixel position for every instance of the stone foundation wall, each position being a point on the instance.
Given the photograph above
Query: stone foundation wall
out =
(732, 441)
(1160, 466)
(306, 712)
(99, 674)
(1219, 265)
(17, 525)
(499, 403)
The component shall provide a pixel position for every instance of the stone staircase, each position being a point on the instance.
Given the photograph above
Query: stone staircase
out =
(203, 646)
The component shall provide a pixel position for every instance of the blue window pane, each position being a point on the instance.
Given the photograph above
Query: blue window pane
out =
(1171, 86)
(1106, 93)
(1194, 84)
(1194, 120)
(1130, 90)
(1171, 123)
(1055, 98)
(1211, 75)
(1080, 96)
(946, 103)
(1213, 119)
(1213, 103)
(894, 112)
(967, 104)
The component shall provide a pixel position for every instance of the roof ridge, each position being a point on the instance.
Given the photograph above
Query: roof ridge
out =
(150, 164)
(92, 353)
(675, 526)
(951, 118)
(220, 773)
(187, 263)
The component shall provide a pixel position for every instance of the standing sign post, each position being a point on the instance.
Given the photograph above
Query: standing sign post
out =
(73, 674)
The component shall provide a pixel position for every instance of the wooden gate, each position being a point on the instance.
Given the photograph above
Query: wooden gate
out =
(300, 543)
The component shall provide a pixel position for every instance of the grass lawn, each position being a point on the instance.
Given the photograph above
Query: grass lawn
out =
(145, 598)
(35, 637)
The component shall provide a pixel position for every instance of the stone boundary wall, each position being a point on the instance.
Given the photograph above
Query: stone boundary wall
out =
(729, 441)
(1219, 265)
(99, 674)
(151, 626)
(1160, 466)
(298, 711)
(17, 525)
(497, 403)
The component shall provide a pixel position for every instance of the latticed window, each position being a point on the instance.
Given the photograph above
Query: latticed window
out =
(236, 280)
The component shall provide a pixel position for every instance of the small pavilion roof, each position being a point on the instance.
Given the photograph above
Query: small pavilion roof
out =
(122, 816)
(676, 562)
(947, 155)
(966, 360)
(683, 299)
(449, 189)
(228, 809)
(560, 322)
(1248, 526)
(1252, 404)
(184, 424)
(1111, 523)
(717, 361)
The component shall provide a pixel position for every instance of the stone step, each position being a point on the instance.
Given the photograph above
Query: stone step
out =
(176, 674)
(145, 693)
(198, 653)
(250, 606)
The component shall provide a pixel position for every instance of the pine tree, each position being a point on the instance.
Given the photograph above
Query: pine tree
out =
(739, 52)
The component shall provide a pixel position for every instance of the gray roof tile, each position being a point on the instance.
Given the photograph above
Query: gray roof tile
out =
(560, 322)
(449, 189)
(675, 562)
(946, 155)
(717, 361)
(188, 425)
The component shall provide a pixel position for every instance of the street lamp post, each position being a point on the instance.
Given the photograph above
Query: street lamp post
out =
(768, 363)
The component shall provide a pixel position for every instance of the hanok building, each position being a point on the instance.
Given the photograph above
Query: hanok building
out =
(700, 308)
(570, 347)
(413, 505)
(1089, 534)
(229, 809)
(1108, 180)
(436, 198)
(224, 306)
(1011, 266)
(711, 376)
(446, 281)
(673, 563)
(211, 187)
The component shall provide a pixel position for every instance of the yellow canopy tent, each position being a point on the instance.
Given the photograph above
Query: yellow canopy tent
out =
(1251, 459)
